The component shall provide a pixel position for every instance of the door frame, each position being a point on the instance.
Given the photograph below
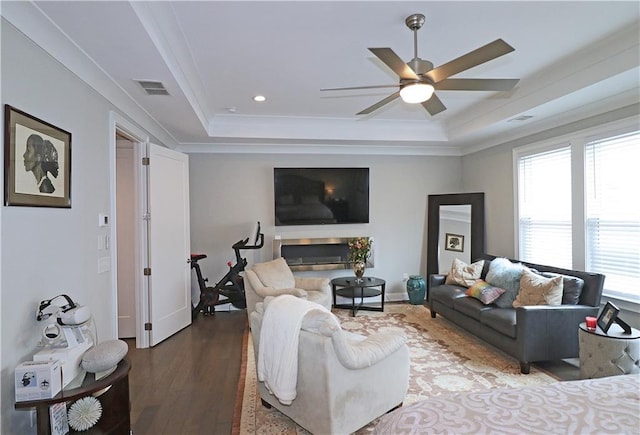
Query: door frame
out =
(140, 139)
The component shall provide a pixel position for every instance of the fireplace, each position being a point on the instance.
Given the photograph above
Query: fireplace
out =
(315, 253)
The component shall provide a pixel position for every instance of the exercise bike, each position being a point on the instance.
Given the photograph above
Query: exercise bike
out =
(231, 286)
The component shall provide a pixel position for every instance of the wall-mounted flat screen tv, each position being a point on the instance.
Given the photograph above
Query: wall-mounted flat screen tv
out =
(313, 196)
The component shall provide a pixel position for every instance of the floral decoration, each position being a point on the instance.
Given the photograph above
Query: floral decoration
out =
(360, 249)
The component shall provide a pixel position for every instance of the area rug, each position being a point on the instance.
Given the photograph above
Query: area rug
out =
(444, 359)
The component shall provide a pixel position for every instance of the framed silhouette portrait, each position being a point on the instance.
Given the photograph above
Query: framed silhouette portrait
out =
(37, 162)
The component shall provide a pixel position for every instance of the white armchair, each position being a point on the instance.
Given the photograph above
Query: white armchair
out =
(274, 278)
(344, 380)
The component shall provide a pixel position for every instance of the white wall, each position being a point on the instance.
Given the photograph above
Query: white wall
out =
(229, 193)
(48, 251)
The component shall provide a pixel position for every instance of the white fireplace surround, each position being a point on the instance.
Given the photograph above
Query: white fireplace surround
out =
(316, 253)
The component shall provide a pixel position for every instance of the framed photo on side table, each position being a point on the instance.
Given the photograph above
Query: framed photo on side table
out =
(607, 316)
(37, 161)
(454, 242)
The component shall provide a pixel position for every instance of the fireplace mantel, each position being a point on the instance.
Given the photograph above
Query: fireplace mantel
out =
(315, 253)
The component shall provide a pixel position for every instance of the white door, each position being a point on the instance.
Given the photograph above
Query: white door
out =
(169, 243)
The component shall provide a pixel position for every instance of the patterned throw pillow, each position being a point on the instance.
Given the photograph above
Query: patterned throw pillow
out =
(505, 274)
(464, 274)
(538, 290)
(484, 292)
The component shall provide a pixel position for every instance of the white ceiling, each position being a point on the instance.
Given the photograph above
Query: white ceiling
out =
(574, 59)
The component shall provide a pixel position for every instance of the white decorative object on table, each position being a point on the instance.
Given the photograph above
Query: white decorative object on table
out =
(104, 356)
(84, 413)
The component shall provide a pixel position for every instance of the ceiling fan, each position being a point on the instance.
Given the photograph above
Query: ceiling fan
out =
(419, 79)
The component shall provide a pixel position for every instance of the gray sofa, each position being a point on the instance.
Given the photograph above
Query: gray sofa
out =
(528, 333)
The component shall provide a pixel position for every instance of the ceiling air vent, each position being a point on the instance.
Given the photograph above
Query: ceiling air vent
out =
(521, 118)
(153, 88)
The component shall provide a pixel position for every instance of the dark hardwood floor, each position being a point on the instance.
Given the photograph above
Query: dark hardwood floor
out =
(187, 384)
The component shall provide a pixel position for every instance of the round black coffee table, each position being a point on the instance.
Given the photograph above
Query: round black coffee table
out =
(366, 287)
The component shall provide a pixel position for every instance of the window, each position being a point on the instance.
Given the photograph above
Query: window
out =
(544, 205)
(578, 205)
(613, 212)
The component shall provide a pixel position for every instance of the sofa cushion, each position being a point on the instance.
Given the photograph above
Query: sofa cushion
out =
(275, 273)
(571, 287)
(484, 292)
(446, 294)
(502, 320)
(538, 290)
(470, 307)
(464, 274)
(505, 274)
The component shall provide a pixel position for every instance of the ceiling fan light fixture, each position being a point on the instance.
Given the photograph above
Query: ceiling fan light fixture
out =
(416, 93)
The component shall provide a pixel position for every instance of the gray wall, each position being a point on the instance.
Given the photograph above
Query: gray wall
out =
(49, 251)
(495, 179)
(229, 193)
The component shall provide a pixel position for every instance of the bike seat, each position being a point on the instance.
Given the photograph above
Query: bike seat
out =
(196, 257)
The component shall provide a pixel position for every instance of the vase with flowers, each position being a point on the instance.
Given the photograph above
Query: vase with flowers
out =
(359, 252)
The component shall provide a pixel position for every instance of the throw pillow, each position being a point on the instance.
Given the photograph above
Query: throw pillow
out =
(505, 274)
(484, 292)
(571, 287)
(538, 290)
(464, 274)
(275, 273)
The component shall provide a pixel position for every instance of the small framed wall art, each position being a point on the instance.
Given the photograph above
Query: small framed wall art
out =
(454, 242)
(37, 161)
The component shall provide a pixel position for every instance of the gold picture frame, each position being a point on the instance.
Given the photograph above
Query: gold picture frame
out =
(37, 162)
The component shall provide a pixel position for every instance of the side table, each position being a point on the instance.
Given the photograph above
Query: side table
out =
(115, 417)
(348, 287)
(608, 354)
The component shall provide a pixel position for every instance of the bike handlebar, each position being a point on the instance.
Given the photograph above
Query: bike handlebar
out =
(242, 244)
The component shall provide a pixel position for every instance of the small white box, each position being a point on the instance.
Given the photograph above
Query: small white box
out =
(69, 358)
(37, 380)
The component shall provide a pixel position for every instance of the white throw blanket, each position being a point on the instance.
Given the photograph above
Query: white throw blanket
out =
(278, 353)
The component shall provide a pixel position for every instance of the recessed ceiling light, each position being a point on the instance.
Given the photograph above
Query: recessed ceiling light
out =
(259, 98)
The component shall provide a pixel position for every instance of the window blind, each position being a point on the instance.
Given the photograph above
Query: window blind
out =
(544, 207)
(613, 212)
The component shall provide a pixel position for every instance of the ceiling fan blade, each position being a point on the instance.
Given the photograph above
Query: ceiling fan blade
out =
(360, 87)
(393, 61)
(434, 105)
(476, 84)
(379, 104)
(476, 57)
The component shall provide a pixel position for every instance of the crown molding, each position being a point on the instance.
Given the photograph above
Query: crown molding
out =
(30, 20)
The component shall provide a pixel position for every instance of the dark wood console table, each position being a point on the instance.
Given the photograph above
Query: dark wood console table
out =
(116, 407)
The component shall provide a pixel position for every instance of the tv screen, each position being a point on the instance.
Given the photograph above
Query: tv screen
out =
(312, 196)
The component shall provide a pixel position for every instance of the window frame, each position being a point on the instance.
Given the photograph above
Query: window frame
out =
(577, 141)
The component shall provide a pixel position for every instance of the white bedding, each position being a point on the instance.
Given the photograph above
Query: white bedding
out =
(594, 406)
